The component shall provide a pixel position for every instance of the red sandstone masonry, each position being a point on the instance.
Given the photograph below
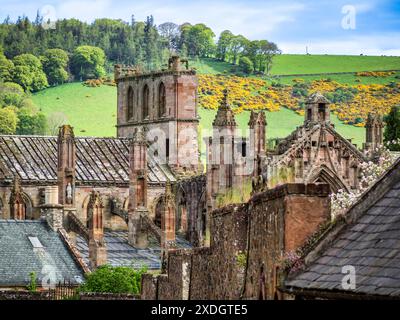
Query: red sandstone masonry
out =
(271, 223)
(281, 220)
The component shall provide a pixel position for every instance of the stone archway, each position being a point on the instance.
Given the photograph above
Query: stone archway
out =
(29, 214)
(326, 175)
(159, 211)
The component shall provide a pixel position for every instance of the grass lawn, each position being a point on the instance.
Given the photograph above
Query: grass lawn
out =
(91, 111)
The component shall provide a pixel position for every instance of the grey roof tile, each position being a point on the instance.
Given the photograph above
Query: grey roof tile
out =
(371, 245)
(104, 160)
(121, 253)
(18, 258)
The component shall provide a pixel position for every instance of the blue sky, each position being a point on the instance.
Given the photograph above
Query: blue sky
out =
(293, 25)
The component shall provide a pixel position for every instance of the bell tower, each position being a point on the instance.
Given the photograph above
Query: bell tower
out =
(164, 103)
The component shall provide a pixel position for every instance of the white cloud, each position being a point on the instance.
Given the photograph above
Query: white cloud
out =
(83, 9)
(241, 18)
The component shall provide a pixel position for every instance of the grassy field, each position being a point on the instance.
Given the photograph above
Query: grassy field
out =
(92, 112)
(287, 64)
(350, 79)
(306, 64)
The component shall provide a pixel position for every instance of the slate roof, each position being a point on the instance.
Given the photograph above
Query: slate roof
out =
(120, 253)
(99, 160)
(18, 257)
(370, 243)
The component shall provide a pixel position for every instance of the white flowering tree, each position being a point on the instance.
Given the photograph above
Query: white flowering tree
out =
(370, 172)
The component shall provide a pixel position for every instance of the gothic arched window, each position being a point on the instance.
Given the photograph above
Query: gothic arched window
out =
(146, 96)
(129, 113)
(161, 100)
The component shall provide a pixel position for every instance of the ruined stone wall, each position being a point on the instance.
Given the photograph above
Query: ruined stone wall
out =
(280, 221)
(176, 128)
(33, 195)
(205, 273)
(191, 206)
(180, 96)
(247, 244)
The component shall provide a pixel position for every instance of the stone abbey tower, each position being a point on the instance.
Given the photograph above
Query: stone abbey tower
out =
(164, 104)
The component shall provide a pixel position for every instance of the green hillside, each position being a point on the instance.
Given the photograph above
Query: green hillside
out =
(306, 64)
(92, 112)
(289, 64)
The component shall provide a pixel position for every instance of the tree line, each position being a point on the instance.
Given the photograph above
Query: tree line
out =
(34, 57)
(140, 43)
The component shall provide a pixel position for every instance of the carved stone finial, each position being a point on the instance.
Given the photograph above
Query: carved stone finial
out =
(225, 115)
(95, 200)
(66, 132)
(140, 135)
(169, 195)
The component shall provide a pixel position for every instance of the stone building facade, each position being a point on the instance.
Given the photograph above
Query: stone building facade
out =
(149, 183)
(164, 103)
(316, 152)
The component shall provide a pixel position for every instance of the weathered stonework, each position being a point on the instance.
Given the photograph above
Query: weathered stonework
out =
(248, 242)
(97, 248)
(164, 103)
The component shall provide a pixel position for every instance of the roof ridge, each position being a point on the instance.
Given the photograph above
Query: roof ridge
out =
(55, 137)
(21, 221)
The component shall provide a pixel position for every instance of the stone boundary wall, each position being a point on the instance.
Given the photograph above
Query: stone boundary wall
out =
(108, 296)
(46, 295)
(24, 295)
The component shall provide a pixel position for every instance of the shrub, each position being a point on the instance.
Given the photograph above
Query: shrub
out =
(32, 287)
(392, 130)
(246, 65)
(8, 120)
(108, 279)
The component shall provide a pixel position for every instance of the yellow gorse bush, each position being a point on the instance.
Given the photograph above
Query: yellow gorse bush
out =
(256, 94)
